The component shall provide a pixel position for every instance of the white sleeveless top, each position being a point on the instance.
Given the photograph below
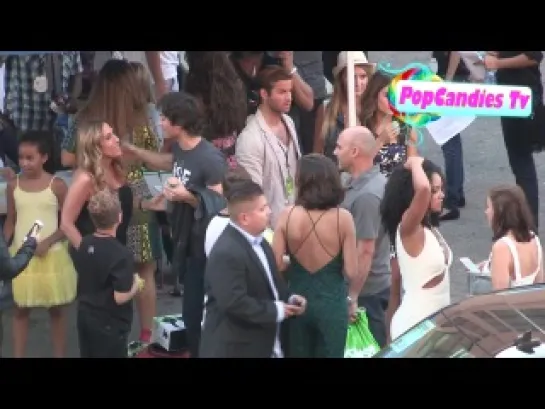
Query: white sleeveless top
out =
(419, 302)
(519, 280)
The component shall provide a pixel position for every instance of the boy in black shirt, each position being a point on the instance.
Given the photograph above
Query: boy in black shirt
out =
(106, 283)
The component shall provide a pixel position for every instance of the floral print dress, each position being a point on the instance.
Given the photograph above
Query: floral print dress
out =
(393, 154)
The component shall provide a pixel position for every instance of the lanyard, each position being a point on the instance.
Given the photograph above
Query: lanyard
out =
(285, 151)
(285, 178)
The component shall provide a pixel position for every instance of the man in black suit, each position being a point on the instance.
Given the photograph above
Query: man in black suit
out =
(247, 299)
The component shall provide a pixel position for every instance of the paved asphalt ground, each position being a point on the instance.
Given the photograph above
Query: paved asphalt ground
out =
(485, 163)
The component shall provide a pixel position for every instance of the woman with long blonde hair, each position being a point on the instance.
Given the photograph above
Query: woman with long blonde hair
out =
(334, 118)
(122, 99)
(99, 167)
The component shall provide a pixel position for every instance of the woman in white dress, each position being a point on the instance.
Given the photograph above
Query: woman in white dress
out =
(412, 201)
(517, 257)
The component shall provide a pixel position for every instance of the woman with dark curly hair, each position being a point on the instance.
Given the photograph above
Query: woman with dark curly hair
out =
(319, 237)
(412, 201)
(214, 81)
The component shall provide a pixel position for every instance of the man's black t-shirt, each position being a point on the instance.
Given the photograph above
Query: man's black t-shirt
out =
(525, 77)
(202, 166)
(104, 265)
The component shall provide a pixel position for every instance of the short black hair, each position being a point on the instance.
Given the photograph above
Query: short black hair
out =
(183, 110)
(233, 177)
(244, 190)
(40, 139)
(398, 195)
(318, 183)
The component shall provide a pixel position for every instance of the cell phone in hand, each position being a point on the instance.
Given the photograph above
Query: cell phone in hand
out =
(294, 301)
(470, 265)
(35, 229)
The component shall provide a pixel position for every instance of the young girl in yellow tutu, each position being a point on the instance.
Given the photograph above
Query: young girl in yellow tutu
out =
(49, 281)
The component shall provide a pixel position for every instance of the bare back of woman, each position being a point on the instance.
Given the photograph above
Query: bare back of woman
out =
(317, 242)
(313, 237)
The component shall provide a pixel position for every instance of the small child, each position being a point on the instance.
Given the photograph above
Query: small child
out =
(106, 283)
(49, 281)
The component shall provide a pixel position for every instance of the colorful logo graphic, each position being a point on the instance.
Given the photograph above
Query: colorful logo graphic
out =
(418, 97)
(412, 72)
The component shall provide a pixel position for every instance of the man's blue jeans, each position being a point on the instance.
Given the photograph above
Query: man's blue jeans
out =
(454, 172)
(375, 307)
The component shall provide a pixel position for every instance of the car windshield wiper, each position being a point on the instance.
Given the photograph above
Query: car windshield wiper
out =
(525, 343)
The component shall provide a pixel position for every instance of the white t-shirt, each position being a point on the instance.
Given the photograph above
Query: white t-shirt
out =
(169, 64)
(216, 226)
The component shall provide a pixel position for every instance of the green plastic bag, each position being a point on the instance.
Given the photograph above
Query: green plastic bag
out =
(360, 343)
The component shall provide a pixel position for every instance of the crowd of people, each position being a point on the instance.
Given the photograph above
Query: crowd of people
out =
(279, 220)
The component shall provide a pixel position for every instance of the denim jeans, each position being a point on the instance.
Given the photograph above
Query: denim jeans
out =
(375, 307)
(454, 171)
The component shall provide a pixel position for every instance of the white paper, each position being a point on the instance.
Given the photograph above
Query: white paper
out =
(470, 265)
(447, 127)
(474, 63)
(153, 179)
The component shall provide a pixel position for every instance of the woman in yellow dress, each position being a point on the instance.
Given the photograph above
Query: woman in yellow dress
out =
(49, 281)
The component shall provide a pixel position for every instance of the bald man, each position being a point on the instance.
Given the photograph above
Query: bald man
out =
(356, 149)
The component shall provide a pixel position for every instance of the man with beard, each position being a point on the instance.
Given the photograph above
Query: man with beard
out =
(268, 147)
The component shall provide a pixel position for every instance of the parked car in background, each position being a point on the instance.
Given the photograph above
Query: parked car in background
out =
(503, 324)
